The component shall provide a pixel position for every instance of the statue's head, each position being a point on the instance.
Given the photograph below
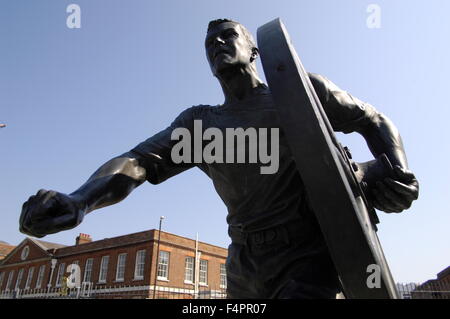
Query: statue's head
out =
(229, 44)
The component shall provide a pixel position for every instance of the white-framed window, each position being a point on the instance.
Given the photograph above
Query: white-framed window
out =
(140, 265)
(19, 278)
(40, 277)
(59, 277)
(73, 270)
(203, 272)
(88, 270)
(163, 265)
(223, 276)
(120, 272)
(25, 252)
(2, 276)
(103, 269)
(29, 278)
(9, 282)
(189, 270)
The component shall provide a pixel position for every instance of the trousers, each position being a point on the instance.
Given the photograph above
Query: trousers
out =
(284, 262)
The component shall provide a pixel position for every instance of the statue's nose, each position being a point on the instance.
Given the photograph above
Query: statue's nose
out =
(219, 40)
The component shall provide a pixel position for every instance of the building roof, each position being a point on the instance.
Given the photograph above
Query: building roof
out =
(134, 238)
(106, 243)
(444, 273)
(47, 245)
(5, 249)
(47, 248)
(58, 250)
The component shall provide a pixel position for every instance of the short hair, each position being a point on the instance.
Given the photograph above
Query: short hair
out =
(212, 24)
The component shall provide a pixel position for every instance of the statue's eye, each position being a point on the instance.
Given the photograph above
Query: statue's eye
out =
(230, 34)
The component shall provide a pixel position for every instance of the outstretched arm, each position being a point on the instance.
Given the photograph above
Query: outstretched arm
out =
(49, 212)
(112, 182)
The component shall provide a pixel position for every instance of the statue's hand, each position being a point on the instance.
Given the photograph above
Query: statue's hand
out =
(394, 195)
(49, 212)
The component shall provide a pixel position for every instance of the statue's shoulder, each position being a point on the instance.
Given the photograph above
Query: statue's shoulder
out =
(202, 109)
(317, 78)
(196, 111)
(321, 85)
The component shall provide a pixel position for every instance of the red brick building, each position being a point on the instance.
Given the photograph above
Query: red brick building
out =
(438, 288)
(119, 267)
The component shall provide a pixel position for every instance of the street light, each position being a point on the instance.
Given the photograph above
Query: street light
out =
(157, 255)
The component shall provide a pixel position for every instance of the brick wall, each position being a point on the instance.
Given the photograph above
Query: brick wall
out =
(178, 247)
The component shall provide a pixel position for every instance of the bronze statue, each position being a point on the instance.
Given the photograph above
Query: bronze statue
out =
(277, 248)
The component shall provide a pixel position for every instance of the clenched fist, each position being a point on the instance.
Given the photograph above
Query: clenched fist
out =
(49, 212)
(394, 195)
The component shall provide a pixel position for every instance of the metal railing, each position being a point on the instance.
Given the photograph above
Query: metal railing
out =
(89, 291)
(431, 289)
(428, 290)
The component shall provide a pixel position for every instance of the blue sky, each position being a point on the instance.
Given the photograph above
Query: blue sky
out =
(74, 98)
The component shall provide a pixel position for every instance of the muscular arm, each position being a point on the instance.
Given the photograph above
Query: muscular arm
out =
(112, 182)
(382, 136)
(392, 195)
(49, 212)
(348, 114)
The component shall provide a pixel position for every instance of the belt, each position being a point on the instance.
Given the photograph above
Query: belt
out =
(285, 232)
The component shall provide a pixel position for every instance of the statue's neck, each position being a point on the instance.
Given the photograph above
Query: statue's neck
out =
(239, 84)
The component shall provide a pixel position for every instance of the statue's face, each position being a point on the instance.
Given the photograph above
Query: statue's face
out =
(226, 46)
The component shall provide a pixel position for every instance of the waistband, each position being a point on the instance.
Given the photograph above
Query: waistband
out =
(286, 232)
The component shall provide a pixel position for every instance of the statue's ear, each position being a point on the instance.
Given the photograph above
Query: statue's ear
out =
(255, 54)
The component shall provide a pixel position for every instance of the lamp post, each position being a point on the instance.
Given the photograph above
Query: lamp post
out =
(53, 264)
(157, 256)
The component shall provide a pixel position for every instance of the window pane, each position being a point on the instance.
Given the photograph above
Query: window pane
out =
(189, 269)
(73, 271)
(140, 265)
(10, 278)
(223, 276)
(203, 274)
(103, 269)
(29, 278)
(40, 276)
(61, 271)
(2, 277)
(88, 270)
(19, 278)
(121, 266)
(163, 265)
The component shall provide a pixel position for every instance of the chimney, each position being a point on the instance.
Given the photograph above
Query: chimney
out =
(83, 239)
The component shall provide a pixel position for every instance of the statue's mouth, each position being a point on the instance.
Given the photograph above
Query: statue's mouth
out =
(216, 54)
